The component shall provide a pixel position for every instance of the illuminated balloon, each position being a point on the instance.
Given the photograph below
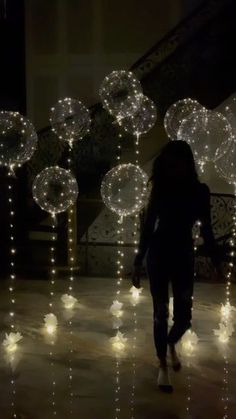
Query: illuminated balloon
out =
(55, 189)
(18, 139)
(120, 93)
(142, 120)
(177, 113)
(208, 133)
(124, 189)
(70, 120)
(226, 165)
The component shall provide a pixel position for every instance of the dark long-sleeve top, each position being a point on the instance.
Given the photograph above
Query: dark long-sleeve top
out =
(169, 221)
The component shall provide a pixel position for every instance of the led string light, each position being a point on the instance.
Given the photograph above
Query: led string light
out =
(51, 322)
(177, 113)
(11, 340)
(69, 300)
(18, 142)
(54, 190)
(117, 342)
(208, 133)
(225, 387)
(226, 324)
(70, 120)
(120, 93)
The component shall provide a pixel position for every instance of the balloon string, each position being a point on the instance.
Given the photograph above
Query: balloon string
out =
(71, 263)
(53, 260)
(12, 279)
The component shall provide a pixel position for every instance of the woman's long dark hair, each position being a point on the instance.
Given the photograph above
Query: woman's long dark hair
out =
(175, 151)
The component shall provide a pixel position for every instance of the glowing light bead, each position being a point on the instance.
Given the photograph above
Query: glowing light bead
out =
(116, 308)
(124, 189)
(118, 342)
(177, 113)
(208, 133)
(226, 165)
(69, 301)
(120, 93)
(51, 323)
(189, 342)
(224, 332)
(55, 189)
(11, 341)
(70, 120)
(18, 139)
(142, 120)
(135, 292)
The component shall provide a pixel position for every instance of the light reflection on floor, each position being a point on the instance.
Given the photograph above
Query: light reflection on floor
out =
(200, 390)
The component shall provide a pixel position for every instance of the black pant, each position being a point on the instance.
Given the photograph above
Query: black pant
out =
(162, 268)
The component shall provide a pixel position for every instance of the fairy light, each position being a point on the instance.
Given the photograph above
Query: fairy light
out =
(177, 113)
(120, 93)
(14, 126)
(208, 133)
(11, 340)
(225, 387)
(142, 121)
(12, 257)
(70, 120)
(18, 142)
(54, 190)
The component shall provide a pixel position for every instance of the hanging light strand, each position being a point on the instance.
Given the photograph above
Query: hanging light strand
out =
(12, 280)
(12, 255)
(53, 270)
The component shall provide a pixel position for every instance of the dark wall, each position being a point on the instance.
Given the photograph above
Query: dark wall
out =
(12, 35)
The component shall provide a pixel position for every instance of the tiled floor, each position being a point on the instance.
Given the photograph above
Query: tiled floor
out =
(91, 393)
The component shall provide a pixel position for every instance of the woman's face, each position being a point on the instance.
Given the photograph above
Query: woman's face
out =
(176, 168)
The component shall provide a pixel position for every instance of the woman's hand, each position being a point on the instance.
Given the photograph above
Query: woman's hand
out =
(136, 276)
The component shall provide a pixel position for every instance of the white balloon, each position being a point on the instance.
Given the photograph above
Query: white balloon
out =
(142, 120)
(70, 120)
(120, 93)
(18, 139)
(177, 113)
(208, 133)
(124, 189)
(55, 189)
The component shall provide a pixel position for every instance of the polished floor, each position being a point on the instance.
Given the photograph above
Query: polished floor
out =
(81, 375)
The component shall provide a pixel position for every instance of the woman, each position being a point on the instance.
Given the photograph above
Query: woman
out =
(176, 202)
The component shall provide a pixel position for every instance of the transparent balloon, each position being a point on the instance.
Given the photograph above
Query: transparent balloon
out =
(124, 189)
(70, 120)
(177, 113)
(142, 120)
(120, 93)
(18, 139)
(226, 165)
(55, 189)
(208, 133)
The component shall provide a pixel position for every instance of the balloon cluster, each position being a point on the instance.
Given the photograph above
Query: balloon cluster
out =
(122, 96)
(124, 188)
(209, 133)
